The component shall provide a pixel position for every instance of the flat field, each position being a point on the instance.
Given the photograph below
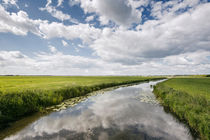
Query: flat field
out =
(189, 99)
(20, 83)
(193, 86)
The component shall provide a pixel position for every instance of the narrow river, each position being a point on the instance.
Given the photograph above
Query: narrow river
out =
(123, 113)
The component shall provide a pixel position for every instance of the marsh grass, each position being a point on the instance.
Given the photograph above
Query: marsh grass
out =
(189, 99)
(18, 101)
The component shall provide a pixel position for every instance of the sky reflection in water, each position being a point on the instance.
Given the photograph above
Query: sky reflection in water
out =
(125, 113)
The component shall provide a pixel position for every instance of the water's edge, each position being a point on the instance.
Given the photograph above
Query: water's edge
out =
(169, 109)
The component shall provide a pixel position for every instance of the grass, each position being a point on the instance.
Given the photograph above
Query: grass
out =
(20, 83)
(189, 99)
(23, 95)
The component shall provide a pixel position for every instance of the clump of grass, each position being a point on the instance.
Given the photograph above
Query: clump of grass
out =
(15, 104)
(189, 104)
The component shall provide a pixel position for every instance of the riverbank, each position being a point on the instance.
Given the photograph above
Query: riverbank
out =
(21, 95)
(189, 99)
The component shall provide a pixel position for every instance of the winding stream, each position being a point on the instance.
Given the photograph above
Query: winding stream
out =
(123, 113)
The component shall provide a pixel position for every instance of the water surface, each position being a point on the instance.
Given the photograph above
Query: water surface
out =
(124, 113)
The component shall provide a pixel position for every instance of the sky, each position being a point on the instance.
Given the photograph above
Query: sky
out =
(104, 37)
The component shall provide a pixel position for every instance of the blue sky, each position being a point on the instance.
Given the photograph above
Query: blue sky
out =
(104, 37)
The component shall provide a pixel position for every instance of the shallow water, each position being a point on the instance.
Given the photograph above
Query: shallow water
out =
(124, 113)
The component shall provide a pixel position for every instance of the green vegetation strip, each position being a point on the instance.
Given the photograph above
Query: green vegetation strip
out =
(189, 99)
(23, 95)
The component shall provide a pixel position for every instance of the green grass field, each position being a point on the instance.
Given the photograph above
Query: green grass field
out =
(21, 83)
(193, 86)
(23, 95)
(189, 99)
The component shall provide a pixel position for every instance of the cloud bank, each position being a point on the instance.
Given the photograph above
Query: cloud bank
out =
(173, 38)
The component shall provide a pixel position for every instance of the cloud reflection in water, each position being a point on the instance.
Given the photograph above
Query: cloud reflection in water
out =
(113, 115)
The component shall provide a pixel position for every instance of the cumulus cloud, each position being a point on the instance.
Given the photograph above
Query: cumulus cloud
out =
(18, 23)
(173, 41)
(85, 32)
(11, 55)
(122, 12)
(187, 32)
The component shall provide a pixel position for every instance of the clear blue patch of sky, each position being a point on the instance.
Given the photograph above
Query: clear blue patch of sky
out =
(26, 44)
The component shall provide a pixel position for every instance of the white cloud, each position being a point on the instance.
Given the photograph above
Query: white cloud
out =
(122, 12)
(103, 20)
(48, 3)
(81, 46)
(59, 3)
(192, 58)
(187, 32)
(18, 23)
(52, 49)
(57, 13)
(175, 42)
(57, 63)
(74, 2)
(10, 2)
(168, 9)
(64, 43)
(82, 31)
(26, 5)
(89, 18)
(11, 55)
(12, 61)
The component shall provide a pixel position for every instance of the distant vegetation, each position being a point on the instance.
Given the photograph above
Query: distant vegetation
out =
(23, 95)
(189, 99)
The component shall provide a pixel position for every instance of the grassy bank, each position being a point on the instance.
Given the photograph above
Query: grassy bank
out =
(23, 95)
(189, 99)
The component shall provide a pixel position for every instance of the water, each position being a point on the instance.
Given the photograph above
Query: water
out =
(124, 113)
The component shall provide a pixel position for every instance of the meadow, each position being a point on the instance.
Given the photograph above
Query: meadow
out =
(189, 99)
(23, 95)
(21, 83)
